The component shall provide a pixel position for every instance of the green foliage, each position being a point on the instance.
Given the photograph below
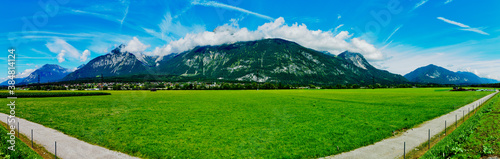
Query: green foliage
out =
(22, 150)
(240, 124)
(31, 94)
(475, 138)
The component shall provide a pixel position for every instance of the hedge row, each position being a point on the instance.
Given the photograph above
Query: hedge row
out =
(51, 94)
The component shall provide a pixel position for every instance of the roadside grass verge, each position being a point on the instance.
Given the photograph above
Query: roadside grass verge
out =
(21, 149)
(240, 123)
(32, 94)
(478, 137)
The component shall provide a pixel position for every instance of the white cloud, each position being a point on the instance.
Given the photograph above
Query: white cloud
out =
(66, 51)
(25, 73)
(476, 30)
(135, 46)
(127, 4)
(464, 27)
(395, 30)
(58, 44)
(85, 55)
(422, 2)
(225, 6)
(453, 22)
(458, 57)
(315, 39)
(60, 56)
(339, 16)
(469, 69)
(337, 28)
(170, 28)
(448, 1)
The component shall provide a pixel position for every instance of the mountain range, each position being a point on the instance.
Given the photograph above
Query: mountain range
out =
(267, 60)
(439, 75)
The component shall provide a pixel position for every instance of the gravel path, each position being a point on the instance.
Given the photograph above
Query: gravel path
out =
(393, 147)
(67, 147)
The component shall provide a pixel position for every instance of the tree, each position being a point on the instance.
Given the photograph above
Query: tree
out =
(225, 86)
(356, 86)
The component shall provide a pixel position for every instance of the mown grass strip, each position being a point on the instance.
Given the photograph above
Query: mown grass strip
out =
(51, 94)
(21, 149)
(479, 136)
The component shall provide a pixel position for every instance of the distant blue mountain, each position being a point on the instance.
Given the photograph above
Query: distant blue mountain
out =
(47, 73)
(439, 75)
(6, 83)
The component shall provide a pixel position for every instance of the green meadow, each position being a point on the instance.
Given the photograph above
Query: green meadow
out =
(478, 137)
(240, 123)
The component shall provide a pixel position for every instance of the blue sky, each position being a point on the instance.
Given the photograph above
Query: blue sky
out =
(395, 35)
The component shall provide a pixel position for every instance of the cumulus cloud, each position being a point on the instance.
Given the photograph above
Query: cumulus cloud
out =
(58, 44)
(25, 73)
(468, 69)
(66, 51)
(60, 56)
(85, 55)
(135, 46)
(315, 39)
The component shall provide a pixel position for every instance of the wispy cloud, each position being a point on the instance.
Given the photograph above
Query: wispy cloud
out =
(41, 52)
(453, 22)
(98, 15)
(337, 28)
(422, 2)
(395, 30)
(124, 16)
(126, 3)
(171, 28)
(448, 1)
(225, 6)
(463, 26)
(477, 30)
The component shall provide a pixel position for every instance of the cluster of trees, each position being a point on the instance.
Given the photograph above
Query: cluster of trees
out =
(229, 86)
(47, 87)
(494, 85)
(202, 86)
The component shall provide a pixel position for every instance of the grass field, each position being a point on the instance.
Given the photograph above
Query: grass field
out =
(21, 149)
(477, 137)
(240, 124)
